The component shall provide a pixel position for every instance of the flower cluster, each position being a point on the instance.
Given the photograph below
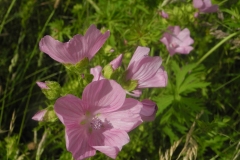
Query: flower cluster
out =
(101, 119)
(179, 41)
(111, 103)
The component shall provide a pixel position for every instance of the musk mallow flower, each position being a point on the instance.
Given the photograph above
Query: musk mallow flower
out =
(145, 70)
(99, 121)
(205, 6)
(77, 48)
(177, 41)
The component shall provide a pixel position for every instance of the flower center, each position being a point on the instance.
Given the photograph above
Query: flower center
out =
(173, 45)
(96, 123)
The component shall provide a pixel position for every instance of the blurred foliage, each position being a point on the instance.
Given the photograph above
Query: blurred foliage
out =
(200, 106)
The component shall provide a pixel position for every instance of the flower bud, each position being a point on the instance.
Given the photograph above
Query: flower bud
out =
(51, 89)
(149, 110)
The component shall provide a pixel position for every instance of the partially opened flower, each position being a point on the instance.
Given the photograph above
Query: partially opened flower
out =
(39, 115)
(42, 85)
(149, 110)
(78, 48)
(205, 6)
(99, 121)
(116, 62)
(177, 41)
(51, 89)
(146, 70)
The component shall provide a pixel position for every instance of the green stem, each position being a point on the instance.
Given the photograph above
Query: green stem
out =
(216, 46)
(168, 59)
(227, 83)
(95, 6)
(6, 15)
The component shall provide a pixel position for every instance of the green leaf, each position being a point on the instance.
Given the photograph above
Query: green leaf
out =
(53, 91)
(163, 102)
(79, 67)
(192, 86)
(193, 103)
(168, 131)
(180, 76)
(107, 71)
(180, 127)
(130, 85)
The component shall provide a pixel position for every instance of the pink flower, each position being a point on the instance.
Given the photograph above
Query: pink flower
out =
(78, 48)
(146, 70)
(205, 6)
(149, 110)
(39, 115)
(99, 121)
(164, 14)
(177, 41)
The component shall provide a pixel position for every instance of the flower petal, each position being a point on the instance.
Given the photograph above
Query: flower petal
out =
(174, 30)
(95, 40)
(77, 48)
(77, 142)
(39, 115)
(108, 150)
(55, 49)
(160, 79)
(184, 50)
(140, 53)
(135, 93)
(149, 110)
(197, 3)
(127, 117)
(70, 109)
(42, 85)
(164, 41)
(116, 62)
(104, 94)
(164, 14)
(109, 142)
(207, 3)
(97, 73)
(211, 9)
(144, 69)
